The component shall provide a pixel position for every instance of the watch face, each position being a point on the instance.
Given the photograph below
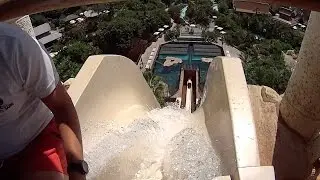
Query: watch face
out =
(85, 167)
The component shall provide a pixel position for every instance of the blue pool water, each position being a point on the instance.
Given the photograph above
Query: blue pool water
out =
(183, 12)
(184, 57)
(171, 74)
(196, 58)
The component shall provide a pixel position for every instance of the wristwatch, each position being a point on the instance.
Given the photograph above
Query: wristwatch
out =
(80, 166)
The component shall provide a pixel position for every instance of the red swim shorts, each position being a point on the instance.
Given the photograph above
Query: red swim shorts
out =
(44, 153)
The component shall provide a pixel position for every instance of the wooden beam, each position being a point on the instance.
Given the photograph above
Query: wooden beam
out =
(18, 8)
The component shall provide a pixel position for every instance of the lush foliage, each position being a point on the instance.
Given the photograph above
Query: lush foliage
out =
(264, 65)
(172, 34)
(223, 7)
(117, 36)
(125, 30)
(261, 40)
(174, 12)
(136, 20)
(210, 36)
(249, 27)
(227, 2)
(200, 11)
(157, 86)
(70, 59)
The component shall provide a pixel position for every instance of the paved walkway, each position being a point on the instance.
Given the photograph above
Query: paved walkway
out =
(145, 56)
(229, 51)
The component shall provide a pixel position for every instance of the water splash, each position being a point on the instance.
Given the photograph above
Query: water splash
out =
(165, 144)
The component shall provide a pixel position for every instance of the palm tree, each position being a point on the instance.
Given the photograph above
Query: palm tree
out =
(157, 86)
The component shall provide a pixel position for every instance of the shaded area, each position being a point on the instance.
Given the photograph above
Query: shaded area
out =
(290, 159)
(278, 145)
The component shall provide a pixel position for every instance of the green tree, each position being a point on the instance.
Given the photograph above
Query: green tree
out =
(125, 29)
(136, 20)
(76, 32)
(117, 35)
(172, 34)
(227, 23)
(70, 58)
(154, 20)
(200, 11)
(264, 65)
(227, 2)
(66, 68)
(157, 86)
(210, 36)
(78, 51)
(223, 7)
(174, 12)
(261, 71)
(167, 2)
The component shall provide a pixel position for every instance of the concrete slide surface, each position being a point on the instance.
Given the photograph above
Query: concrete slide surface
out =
(126, 135)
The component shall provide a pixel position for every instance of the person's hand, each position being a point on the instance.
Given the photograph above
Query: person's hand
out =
(76, 176)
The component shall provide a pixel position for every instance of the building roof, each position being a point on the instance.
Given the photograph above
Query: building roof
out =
(41, 29)
(252, 7)
(53, 36)
(285, 10)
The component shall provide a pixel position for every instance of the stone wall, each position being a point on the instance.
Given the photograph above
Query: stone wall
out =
(24, 23)
(278, 144)
(265, 106)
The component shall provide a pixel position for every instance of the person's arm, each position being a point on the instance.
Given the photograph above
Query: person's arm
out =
(35, 71)
(59, 102)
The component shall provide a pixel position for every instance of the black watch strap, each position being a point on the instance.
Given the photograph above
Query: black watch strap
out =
(79, 166)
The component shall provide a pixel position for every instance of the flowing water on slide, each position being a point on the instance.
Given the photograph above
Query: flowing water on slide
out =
(165, 144)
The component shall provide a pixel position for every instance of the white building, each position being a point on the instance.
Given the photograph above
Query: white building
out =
(45, 35)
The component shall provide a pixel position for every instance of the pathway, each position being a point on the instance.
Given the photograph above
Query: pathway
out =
(229, 51)
(145, 56)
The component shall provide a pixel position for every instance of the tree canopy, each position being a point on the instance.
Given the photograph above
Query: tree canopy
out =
(261, 40)
(200, 11)
(136, 19)
(70, 58)
(174, 12)
(210, 36)
(157, 86)
(117, 36)
(172, 34)
(125, 30)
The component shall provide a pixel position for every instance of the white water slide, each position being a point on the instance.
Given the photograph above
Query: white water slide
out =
(126, 135)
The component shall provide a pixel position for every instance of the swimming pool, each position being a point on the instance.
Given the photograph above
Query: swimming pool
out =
(190, 53)
(184, 57)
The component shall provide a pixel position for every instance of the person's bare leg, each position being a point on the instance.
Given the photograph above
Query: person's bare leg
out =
(47, 175)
